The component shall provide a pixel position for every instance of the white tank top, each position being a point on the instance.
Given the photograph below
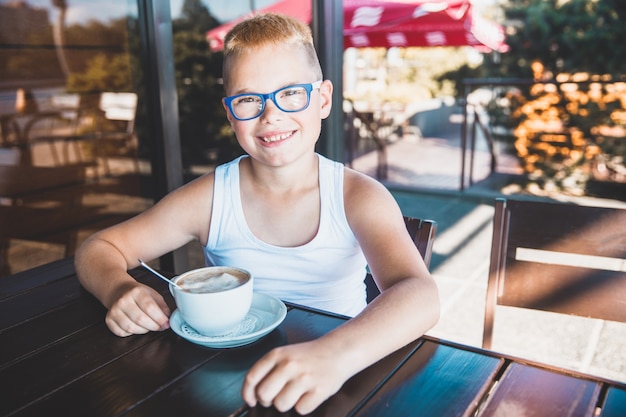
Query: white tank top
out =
(326, 273)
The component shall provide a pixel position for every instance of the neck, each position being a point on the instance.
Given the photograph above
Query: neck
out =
(300, 174)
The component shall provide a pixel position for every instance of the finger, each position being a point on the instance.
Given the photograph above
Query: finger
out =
(147, 309)
(273, 384)
(289, 395)
(308, 402)
(315, 395)
(115, 328)
(162, 314)
(152, 316)
(163, 305)
(121, 325)
(142, 323)
(124, 319)
(254, 376)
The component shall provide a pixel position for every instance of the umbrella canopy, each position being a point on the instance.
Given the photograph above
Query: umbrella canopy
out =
(396, 23)
(296, 8)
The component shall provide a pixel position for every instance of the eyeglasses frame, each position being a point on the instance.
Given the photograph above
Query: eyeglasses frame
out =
(309, 87)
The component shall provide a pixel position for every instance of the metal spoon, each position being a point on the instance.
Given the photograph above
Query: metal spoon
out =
(169, 281)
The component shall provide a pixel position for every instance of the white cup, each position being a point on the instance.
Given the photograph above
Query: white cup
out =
(215, 299)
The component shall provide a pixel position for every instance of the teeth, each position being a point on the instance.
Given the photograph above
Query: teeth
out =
(269, 139)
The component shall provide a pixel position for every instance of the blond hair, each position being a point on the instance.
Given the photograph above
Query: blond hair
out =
(269, 29)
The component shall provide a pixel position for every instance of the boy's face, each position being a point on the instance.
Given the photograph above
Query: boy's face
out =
(277, 138)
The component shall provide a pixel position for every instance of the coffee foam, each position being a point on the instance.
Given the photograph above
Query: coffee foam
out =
(213, 283)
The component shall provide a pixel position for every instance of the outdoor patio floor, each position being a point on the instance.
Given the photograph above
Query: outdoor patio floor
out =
(424, 177)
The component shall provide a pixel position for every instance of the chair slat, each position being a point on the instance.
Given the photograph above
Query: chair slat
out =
(423, 234)
(557, 257)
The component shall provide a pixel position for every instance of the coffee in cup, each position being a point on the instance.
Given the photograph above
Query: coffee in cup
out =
(213, 300)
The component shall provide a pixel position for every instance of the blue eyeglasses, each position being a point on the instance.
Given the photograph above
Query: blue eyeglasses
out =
(290, 99)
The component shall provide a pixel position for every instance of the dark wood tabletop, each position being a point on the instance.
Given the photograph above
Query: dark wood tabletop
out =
(57, 357)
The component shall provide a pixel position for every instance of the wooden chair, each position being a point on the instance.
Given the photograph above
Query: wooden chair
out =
(42, 204)
(119, 110)
(423, 234)
(557, 257)
(104, 125)
(60, 118)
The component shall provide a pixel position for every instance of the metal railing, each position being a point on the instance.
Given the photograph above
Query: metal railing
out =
(468, 85)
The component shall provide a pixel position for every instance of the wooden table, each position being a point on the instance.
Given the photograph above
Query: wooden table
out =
(57, 357)
(41, 204)
(22, 180)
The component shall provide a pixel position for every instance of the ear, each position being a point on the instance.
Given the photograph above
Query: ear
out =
(326, 98)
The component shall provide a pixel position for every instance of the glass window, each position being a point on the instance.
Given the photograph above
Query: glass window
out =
(74, 150)
(205, 135)
(72, 158)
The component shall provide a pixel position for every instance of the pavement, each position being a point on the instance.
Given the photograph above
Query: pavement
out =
(424, 178)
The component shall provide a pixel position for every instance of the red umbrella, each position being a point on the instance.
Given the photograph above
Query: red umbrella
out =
(388, 23)
(296, 8)
(418, 23)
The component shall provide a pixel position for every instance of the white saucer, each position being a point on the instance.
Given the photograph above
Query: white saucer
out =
(265, 314)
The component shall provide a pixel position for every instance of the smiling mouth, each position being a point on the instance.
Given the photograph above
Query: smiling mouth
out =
(276, 138)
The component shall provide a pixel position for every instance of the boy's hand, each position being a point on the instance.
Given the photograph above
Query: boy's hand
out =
(299, 376)
(138, 310)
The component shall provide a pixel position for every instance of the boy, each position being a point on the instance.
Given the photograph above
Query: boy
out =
(304, 226)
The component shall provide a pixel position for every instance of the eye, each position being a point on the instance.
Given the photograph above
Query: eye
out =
(292, 92)
(247, 100)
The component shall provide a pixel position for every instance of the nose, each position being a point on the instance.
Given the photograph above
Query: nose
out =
(271, 111)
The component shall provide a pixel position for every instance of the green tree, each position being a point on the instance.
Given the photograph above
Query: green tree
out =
(103, 73)
(204, 130)
(565, 36)
(36, 60)
(195, 17)
(559, 42)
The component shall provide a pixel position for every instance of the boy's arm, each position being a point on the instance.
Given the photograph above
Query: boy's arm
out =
(103, 260)
(305, 375)
(133, 308)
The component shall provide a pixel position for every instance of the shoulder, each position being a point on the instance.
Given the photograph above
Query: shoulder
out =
(366, 199)
(188, 200)
(189, 207)
(198, 186)
(359, 187)
(204, 185)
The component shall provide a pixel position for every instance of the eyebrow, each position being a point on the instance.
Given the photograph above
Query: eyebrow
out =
(246, 91)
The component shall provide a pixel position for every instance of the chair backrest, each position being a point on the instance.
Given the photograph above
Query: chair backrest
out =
(423, 234)
(557, 257)
(119, 106)
(10, 156)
